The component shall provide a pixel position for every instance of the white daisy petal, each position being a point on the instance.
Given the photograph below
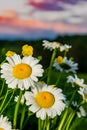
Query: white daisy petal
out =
(66, 65)
(26, 83)
(75, 81)
(21, 85)
(21, 72)
(45, 101)
(11, 62)
(50, 45)
(10, 79)
(5, 124)
(34, 108)
(6, 66)
(49, 112)
(41, 114)
(54, 113)
(16, 58)
(13, 84)
(34, 78)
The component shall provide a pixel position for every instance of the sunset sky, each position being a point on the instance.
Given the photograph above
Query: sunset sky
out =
(33, 19)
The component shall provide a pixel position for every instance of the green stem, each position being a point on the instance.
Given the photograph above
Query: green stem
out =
(16, 110)
(48, 126)
(65, 86)
(27, 118)
(83, 102)
(45, 74)
(2, 62)
(22, 117)
(67, 121)
(1, 97)
(44, 124)
(39, 124)
(63, 119)
(51, 63)
(8, 101)
(72, 98)
(70, 120)
(2, 88)
(57, 82)
(65, 53)
(4, 100)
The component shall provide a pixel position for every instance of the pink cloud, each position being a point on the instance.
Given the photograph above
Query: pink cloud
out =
(9, 13)
(59, 27)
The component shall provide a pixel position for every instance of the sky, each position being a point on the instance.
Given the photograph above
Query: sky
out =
(35, 19)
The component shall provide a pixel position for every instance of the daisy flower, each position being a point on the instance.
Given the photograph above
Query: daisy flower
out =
(65, 65)
(80, 112)
(83, 93)
(21, 72)
(45, 101)
(65, 47)
(51, 45)
(75, 81)
(5, 124)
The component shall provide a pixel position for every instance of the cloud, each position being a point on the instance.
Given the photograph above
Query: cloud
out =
(71, 13)
(42, 18)
(50, 4)
(46, 5)
(8, 13)
(14, 25)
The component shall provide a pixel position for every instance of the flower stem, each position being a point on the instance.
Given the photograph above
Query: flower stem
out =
(65, 53)
(4, 100)
(48, 126)
(16, 110)
(2, 88)
(27, 118)
(39, 124)
(2, 62)
(70, 120)
(57, 82)
(63, 119)
(72, 98)
(8, 101)
(51, 63)
(22, 117)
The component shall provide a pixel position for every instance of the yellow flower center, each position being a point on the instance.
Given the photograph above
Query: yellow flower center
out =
(85, 96)
(67, 49)
(59, 59)
(41, 82)
(77, 84)
(45, 99)
(22, 71)
(27, 50)
(10, 53)
(1, 129)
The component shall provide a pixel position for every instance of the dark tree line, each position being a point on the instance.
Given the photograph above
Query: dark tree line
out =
(78, 50)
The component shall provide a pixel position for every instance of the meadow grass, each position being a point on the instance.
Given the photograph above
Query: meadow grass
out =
(81, 123)
(77, 123)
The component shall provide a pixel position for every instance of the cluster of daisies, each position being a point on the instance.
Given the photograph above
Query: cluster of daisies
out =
(23, 72)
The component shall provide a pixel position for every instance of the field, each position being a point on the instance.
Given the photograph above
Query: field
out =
(66, 114)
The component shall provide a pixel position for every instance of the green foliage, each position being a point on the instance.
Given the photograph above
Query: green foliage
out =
(19, 113)
(78, 50)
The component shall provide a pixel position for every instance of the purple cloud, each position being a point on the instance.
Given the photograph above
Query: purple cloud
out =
(46, 5)
(53, 5)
